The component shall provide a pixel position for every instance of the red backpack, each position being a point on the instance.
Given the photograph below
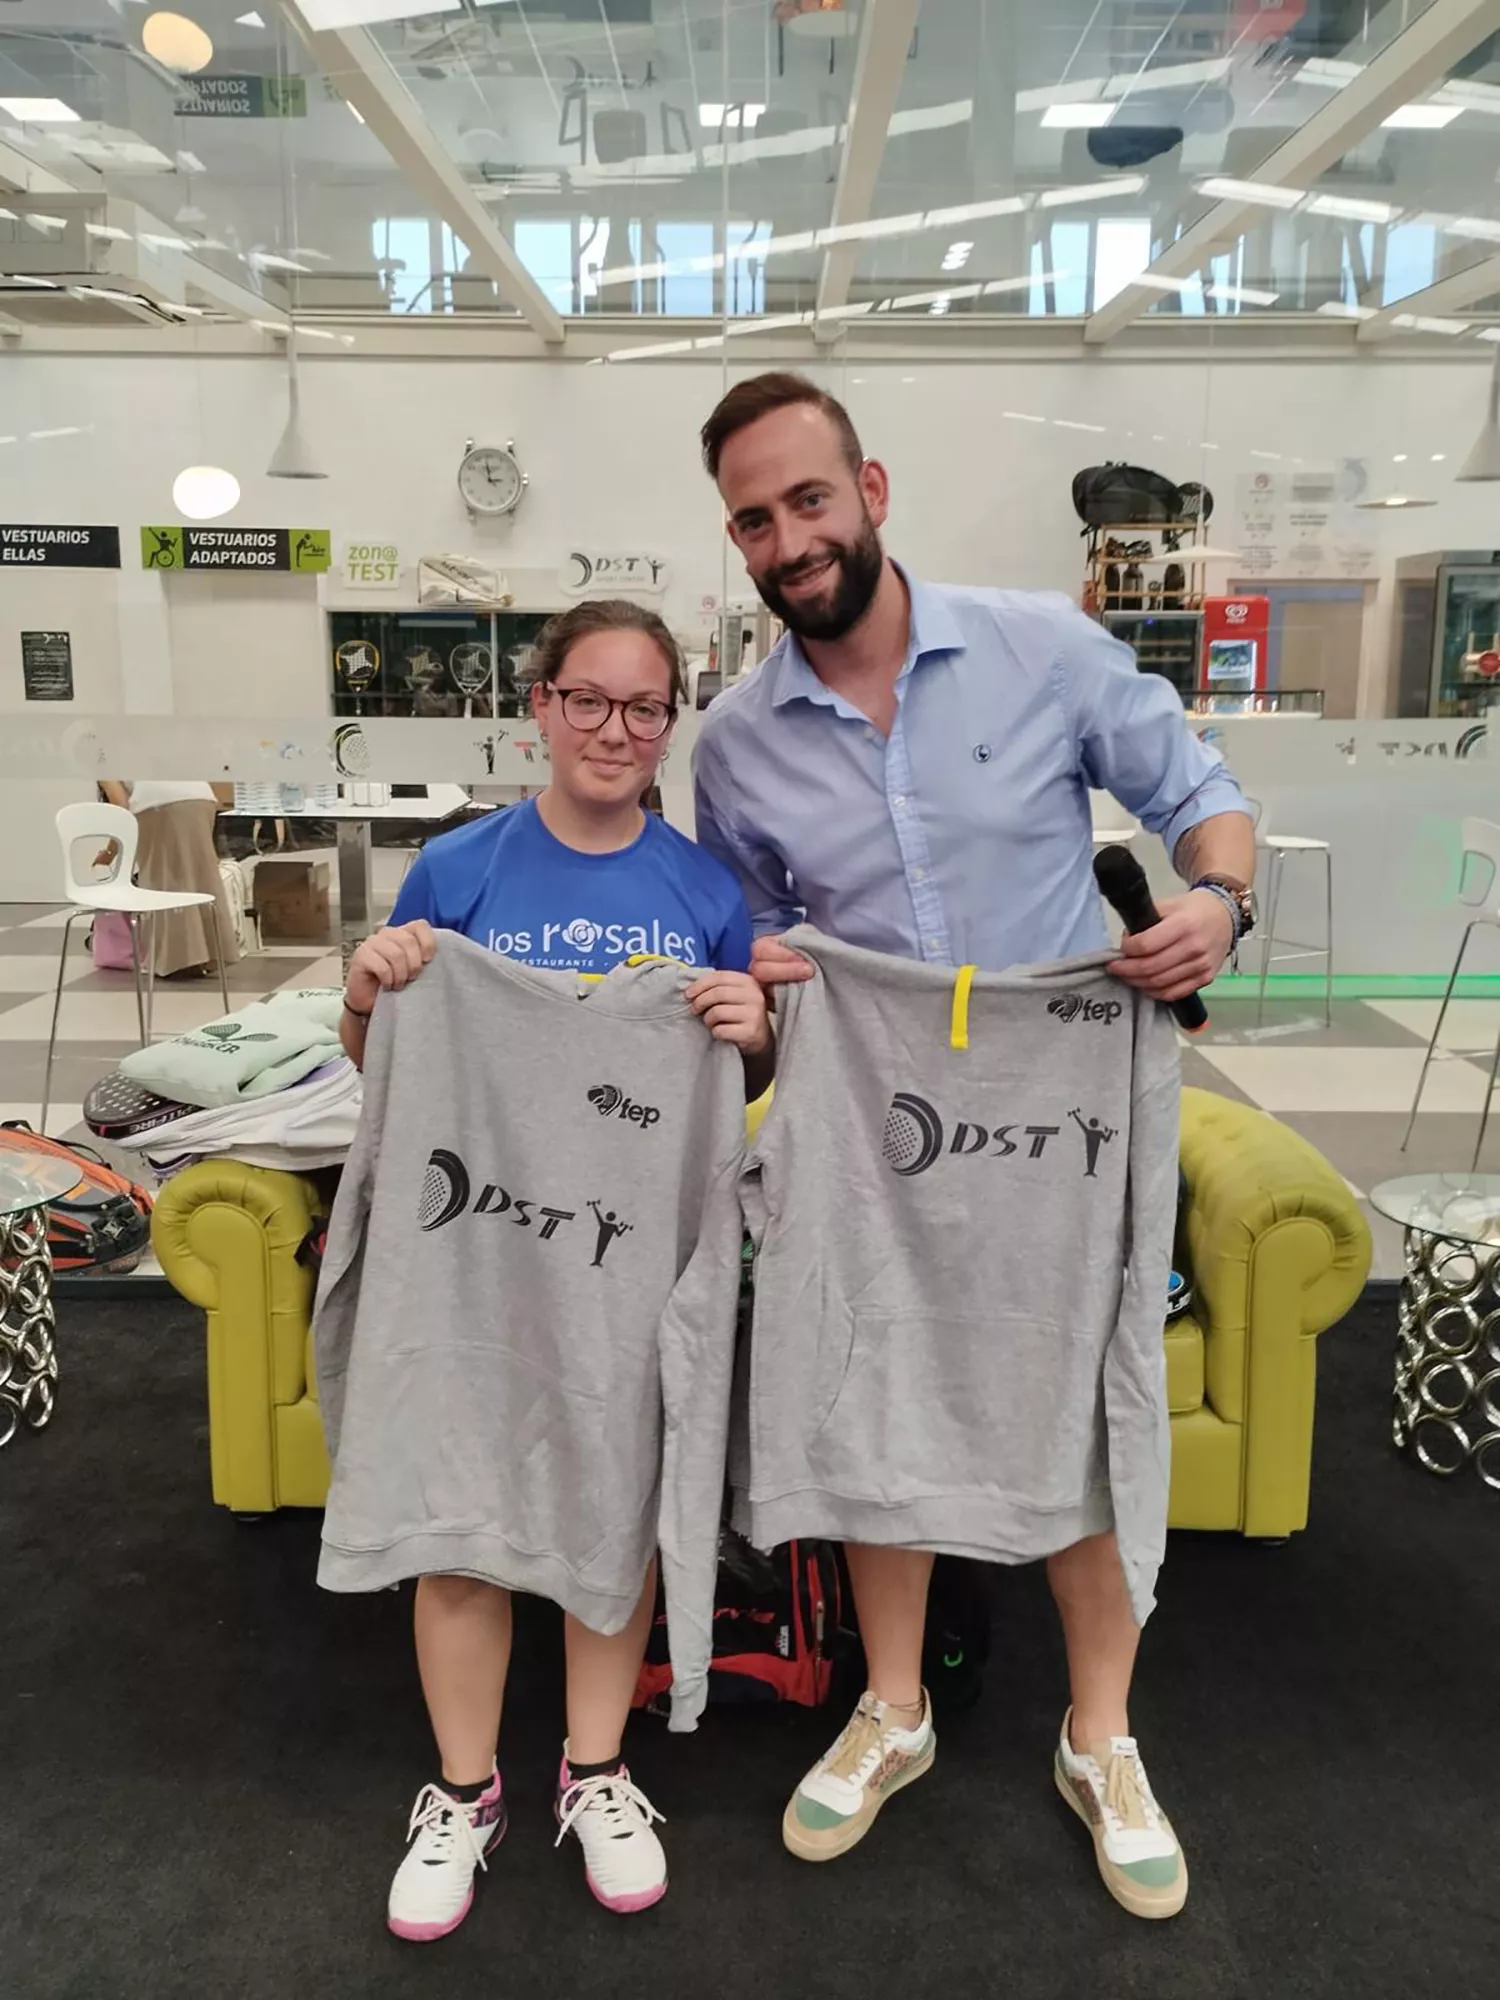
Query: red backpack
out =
(777, 1620)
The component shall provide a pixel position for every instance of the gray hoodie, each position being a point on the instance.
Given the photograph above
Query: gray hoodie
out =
(963, 1202)
(525, 1323)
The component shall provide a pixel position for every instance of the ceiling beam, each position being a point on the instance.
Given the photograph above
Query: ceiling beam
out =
(1449, 295)
(1415, 60)
(354, 63)
(885, 38)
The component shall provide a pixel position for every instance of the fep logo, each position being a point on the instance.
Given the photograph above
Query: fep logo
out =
(1074, 1007)
(611, 1102)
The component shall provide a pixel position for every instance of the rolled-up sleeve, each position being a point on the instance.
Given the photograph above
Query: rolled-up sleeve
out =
(1133, 737)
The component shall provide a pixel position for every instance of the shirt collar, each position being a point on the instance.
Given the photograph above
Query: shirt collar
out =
(932, 629)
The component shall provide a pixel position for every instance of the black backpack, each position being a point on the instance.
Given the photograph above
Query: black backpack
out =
(1118, 495)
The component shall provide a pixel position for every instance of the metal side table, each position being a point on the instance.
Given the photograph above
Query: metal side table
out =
(28, 1351)
(1447, 1389)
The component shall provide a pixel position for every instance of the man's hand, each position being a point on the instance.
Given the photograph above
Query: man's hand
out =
(1183, 952)
(732, 1006)
(386, 962)
(773, 965)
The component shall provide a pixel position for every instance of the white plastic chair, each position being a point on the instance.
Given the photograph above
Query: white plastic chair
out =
(1481, 839)
(97, 825)
(1113, 826)
(1279, 847)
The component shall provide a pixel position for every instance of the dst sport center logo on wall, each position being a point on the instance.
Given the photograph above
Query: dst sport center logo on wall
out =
(915, 1138)
(446, 1188)
(1074, 1007)
(611, 1102)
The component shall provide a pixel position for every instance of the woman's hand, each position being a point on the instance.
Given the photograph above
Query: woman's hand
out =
(732, 1005)
(386, 962)
(105, 858)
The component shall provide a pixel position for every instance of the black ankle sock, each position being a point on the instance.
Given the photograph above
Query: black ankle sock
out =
(467, 1795)
(608, 1769)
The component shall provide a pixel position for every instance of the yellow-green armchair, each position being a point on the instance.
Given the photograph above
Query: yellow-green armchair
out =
(1279, 1252)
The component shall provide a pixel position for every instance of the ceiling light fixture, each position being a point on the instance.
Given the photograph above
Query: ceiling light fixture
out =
(1347, 209)
(1078, 117)
(177, 43)
(1260, 192)
(1438, 457)
(293, 457)
(1425, 323)
(39, 110)
(250, 20)
(1341, 309)
(1482, 466)
(1422, 117)
(1066, 197)
(1384, 501)
(1244, 295)
(204, 492)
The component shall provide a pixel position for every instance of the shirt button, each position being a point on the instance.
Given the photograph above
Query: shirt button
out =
(919, 874)
(934, 944)
(899, 802)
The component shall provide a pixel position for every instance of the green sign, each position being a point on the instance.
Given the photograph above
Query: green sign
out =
(304, 549)
(219, 96)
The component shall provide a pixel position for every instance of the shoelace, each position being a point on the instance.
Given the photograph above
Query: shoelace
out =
(442, 1817)
(1127, 1790)
(862, 1745)
(621, 1805)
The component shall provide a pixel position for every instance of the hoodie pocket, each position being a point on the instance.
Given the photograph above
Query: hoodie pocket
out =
(473, 1439)
(958, 1403)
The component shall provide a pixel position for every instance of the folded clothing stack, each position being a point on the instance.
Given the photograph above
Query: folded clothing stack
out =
(269, 1085)
(253, 1053)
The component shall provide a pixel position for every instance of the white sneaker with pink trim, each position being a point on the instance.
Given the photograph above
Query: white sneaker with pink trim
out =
(434, 1886)
(623, 1861)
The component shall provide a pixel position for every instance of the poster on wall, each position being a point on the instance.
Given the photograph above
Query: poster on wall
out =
(47, 665)
(304, 550)
(1303, 522)
(50, 547)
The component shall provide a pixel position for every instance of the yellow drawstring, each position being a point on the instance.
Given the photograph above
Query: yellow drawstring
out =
(959, 1035)
(637, 958)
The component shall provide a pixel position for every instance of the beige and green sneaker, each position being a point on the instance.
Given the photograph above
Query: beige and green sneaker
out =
(835, 1805)
(1138, 1855)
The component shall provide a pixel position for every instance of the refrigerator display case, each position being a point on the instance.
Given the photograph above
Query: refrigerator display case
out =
(430, 663)
(1448, 633)
(1169, 643)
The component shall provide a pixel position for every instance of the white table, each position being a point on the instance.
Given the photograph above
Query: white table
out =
(352, 824)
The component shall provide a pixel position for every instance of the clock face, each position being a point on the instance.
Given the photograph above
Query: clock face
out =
(490, 480)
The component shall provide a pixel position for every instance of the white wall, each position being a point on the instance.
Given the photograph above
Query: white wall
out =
(980, 496)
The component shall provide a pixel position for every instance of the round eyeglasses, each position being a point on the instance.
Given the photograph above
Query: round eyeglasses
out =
(645, 718)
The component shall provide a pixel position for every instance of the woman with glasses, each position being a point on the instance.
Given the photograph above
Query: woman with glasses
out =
(581, 879)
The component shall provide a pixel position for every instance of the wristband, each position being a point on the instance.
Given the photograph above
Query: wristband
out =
(355, 1011)
(1230, 903)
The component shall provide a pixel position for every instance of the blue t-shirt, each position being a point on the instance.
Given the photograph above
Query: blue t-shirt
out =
(506, 883)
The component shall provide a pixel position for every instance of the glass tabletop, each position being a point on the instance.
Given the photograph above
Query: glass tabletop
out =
(1463, 1207)
(29, 1180)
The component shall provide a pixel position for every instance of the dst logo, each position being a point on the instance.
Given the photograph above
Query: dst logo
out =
(610, 1102)
(1073, 1007)
(445, 1192)
(914, 1138)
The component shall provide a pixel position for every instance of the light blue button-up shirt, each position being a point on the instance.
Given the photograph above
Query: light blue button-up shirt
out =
(964, 838)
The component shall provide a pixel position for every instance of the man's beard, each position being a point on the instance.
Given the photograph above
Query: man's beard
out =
(856, 578)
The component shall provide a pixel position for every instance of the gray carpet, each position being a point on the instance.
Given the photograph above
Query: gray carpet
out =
(208, 1764)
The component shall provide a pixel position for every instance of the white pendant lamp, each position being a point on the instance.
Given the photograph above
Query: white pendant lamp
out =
(176, 43)
(1483, 462)
(293, 457)
(204, 492)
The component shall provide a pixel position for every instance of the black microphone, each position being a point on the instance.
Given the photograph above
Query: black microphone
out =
(1122, 884)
